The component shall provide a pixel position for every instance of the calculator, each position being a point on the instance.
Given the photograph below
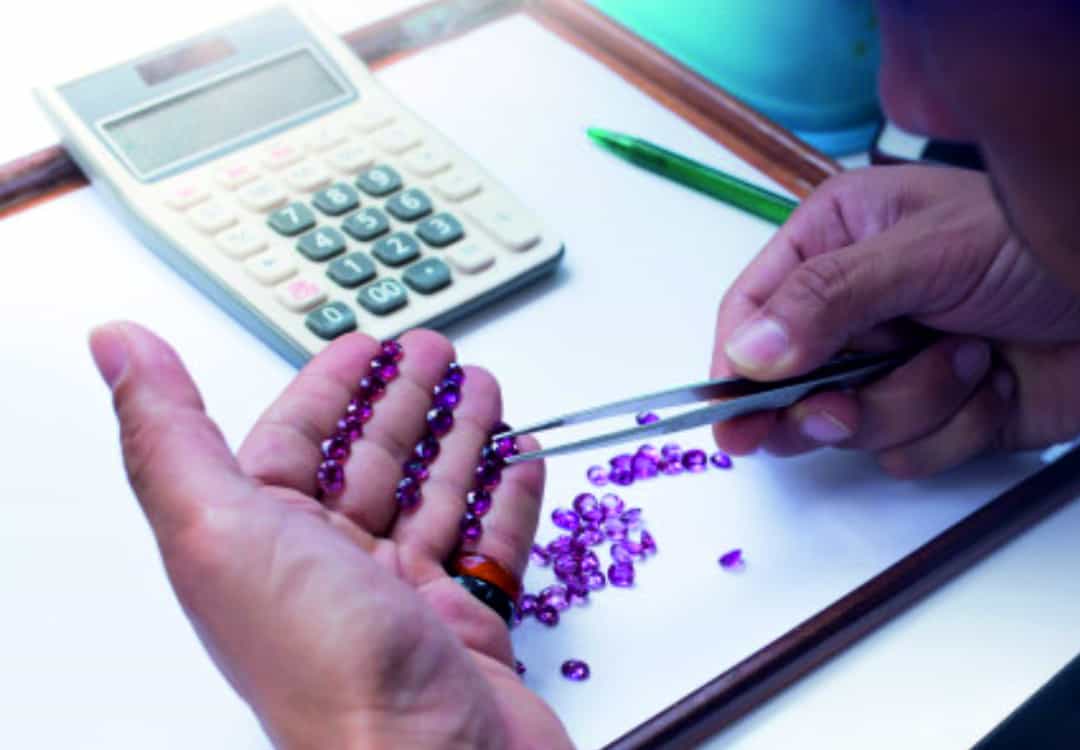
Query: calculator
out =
(265, 163)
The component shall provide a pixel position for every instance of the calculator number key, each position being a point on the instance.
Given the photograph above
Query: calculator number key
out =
(301, 294)
(397, 249)
(292, 220)
(367, 224)
(440, 230)
(382, 297)
(336, 199)
(331, 320)
(409, 205)
(322, 244)
(352, 270)
(378, 181)
(427, 276)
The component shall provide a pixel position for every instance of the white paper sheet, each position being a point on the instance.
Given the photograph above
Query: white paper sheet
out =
(91, 633)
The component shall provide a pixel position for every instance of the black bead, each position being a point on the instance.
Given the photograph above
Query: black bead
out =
(490, 595)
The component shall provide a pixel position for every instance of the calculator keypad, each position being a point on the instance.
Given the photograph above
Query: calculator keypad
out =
(326, 220)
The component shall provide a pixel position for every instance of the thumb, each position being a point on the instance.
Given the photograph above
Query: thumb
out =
(176, 458)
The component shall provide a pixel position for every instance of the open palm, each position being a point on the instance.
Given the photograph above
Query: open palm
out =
(336, 622)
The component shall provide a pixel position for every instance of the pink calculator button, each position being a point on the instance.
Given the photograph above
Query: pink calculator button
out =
(185, 194)
(281, 154)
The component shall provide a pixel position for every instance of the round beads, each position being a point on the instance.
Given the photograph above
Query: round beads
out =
(575, 669)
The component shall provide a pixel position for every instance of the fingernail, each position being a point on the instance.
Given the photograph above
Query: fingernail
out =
(758, 345)
(971, 360)
(1004, 384)
(109, 347)
(823, 427)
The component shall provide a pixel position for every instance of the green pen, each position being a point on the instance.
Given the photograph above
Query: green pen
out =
(739, 193)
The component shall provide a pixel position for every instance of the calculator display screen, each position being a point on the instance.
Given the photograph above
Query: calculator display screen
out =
(204, 118)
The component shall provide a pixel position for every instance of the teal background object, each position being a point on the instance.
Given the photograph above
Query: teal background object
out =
(811, 65)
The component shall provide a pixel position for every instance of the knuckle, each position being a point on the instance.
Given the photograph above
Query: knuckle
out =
(820, 286)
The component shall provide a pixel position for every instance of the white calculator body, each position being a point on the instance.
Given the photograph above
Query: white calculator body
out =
(266, 164)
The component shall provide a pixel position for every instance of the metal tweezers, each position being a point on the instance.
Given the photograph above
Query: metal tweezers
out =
(737, 396)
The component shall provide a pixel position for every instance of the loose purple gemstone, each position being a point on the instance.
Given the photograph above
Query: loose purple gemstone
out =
(732, 560)
(439, 421)
(370, 388)
(416, 469)
(479, 502)
(645, 466)
(577, 592)
(621, 575)
(597, 476)
(595, 580)
(589, 562)
(540, 556)
(335, 447)
(408, 494)
(671, 451)
(575, 669)
(519, 668)
(585, 502)
(614, 529)
(612, 504)
(391, 350)
(331, 477)
(648, 449)
(554, 596)
(565, 518)
(648, 544)
(620, 553)
(621, 461)
(384, 369)
(447, 396)
(671, 467)
(527, 604)
(488, 475)
(647, 417)
(695, 460)
(455, 373)
(632, 517)
(560, 545)
(360, 408)
(565, 567)
(470, 527)
(720, 460)
(621, 475)
(548, 615)
(590, 536)
(633, 547)
(350, 427)
(427, 450)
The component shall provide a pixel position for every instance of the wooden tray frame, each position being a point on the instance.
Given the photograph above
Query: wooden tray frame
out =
(49, 173)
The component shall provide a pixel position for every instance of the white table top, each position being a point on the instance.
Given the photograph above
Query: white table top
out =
(79, 569)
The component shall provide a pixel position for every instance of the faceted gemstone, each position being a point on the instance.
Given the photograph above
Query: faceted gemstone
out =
(589, 562)
(565, 518)
(331, 477)
(540, 556)
(621, 461)
(595, 580)
(612, 504)
(694, 460)
(621, 475)
(548, 615)
(614, 529)
(645, 466)
(488, 476)
(575, 669)
(732, 560)
(560, 545)
(427, 449)
(648, 449)
(631, 518)
(620, 553)
(447, 395)
(384, 369)
(590, 536)
(720, 460)
(565, 567)
(527, 604)
(479, 502)
(671, 451)
(633, 547)
(577, 592)
(455, 373)
(621, 575)
(470, 527)
(585, 502)
(519, 668)
(597, 476)
(490, 454)
(391, 350)
(647, 417)
(360, 408)
(439, 421)
(408, 494)
(648, 544)
(505, 447)
(554, 596)
(671, 466)
(416, 469)
(370, 388)
(335, 447)
(351, 427)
